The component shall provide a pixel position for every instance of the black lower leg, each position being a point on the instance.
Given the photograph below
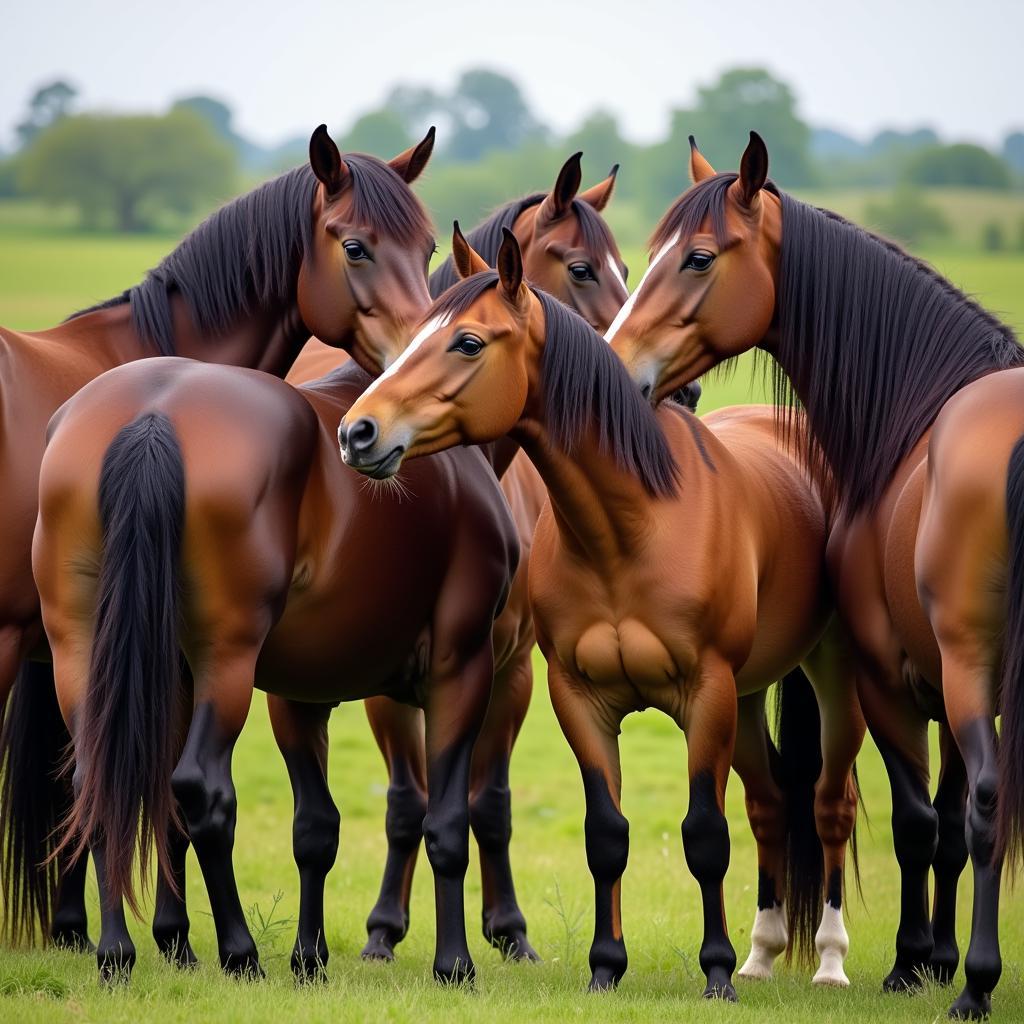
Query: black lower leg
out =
(69, 928)
(170, 915)
(706, 847)
(203, 787)
(490, 816)
(915, 837)
(388, 922)
(607, 838)
(983, 963)
(315, 846)
(115, 951)
(950, 861)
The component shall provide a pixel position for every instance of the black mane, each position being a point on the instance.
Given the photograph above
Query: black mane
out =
(247, 254)
(585, 385)
(871, 340)
(486, 237)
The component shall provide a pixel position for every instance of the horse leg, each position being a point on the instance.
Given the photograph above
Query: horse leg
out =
(835, 796)
(170, 914)
(901, 735)
(766, 812)
(709, 721)
(950, 858)
(966, 689)
(398, 729)
(301, 733)
(490, 807)
(203, 786)
(592, 730)
(456, 703)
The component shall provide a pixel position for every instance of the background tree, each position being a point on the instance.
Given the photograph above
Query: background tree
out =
(742, 99)
(48, 105)
(959, 164)
(603, 145)
(490, 113)
(907, 217)
(129, 170)
(1013, 151)
(380, 132)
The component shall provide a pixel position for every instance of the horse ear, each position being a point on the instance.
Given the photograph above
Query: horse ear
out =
(410, 164)
(556, 203)
(510, 266)
(753, 169)
(466, 259)
(326, 161)
(598, 195)
(700, 166)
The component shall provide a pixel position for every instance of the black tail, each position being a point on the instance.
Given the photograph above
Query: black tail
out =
(798, 728)
(1010, 805)
(125, 747)
(34, 798)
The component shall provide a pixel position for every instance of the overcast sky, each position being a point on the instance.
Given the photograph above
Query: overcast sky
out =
(287, 65)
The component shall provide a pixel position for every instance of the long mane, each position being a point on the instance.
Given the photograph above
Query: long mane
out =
(585, 386)
(247, 254)
(870, 340)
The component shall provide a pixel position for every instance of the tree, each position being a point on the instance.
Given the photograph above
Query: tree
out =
(220, 118)
(743, 99)
(907, 217)
(490, 113)
(380, 132)
(1013, 151)
(47, 106)
(960, 164)
(129, 169)
(601, 142)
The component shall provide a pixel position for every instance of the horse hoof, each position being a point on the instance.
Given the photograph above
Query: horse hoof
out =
(971, 1007)
(115, 965)
(178, 953)
(720, 988)
(309, 968)
(242, 966)
(604, 979)
(903, 979)
(457, 973)
(942, 966)
(756, 968)
(379, 946)
(72, 939)
(514, 946)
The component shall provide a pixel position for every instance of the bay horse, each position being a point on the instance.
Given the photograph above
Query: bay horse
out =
(568, 251)
(246, 287)
(259, 562)
(643, 595)
(914, 397)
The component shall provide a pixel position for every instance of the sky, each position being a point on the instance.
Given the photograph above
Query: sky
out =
(285, 66)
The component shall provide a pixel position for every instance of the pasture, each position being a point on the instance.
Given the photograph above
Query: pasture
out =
(47, 271)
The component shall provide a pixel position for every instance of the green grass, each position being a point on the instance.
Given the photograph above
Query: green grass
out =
(46, 271)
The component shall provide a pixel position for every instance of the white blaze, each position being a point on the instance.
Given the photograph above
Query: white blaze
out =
(614, 267)
(432, 326)
(623, 313)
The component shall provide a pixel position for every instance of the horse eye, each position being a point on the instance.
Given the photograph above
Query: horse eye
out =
(699, 259)
(581, 272)
(467, 345)
(355, 251)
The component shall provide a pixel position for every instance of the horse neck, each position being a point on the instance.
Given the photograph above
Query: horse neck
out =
(263, 339)
(603, 512)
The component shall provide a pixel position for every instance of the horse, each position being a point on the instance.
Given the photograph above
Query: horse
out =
(568, 251)
(914, 399)
(628, 614)
(244, 288)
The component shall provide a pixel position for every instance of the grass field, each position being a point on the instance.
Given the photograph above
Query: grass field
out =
(46, 271)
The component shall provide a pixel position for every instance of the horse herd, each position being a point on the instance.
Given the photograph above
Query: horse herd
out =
(182, 529)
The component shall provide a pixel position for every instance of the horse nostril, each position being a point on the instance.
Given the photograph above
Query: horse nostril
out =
(362, 434)
(645, 390)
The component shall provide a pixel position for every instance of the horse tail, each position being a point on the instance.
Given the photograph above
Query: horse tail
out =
(34, 798)
(798, 729)
(125, 746)
(1010, 805)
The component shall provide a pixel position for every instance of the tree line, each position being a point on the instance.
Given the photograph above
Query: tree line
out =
(132, 172)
